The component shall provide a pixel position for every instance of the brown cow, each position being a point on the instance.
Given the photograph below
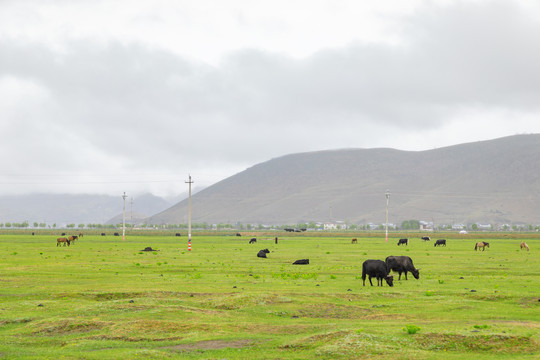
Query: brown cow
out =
(481, 245)
(524, 245)
(62, 240)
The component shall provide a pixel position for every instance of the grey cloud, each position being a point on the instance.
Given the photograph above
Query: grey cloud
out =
(134, 105)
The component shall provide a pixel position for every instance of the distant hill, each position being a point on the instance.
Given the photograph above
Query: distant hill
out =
(75, 209)
(496, 181)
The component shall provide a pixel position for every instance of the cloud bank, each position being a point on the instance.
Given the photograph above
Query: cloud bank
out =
(110, 114)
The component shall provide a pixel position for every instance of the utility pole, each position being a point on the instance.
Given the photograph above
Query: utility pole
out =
(189, 213)
(387, 199)
(124, 218)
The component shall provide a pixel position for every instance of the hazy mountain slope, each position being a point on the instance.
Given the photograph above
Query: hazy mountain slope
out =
(76, 209)
(491, 181)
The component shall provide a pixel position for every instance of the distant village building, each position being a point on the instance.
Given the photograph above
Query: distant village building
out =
(484, 227)
(330, 226)
(426, 226)
(337, 225)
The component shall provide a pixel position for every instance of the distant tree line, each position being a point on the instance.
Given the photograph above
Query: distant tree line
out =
(410, 225)
(407, 225)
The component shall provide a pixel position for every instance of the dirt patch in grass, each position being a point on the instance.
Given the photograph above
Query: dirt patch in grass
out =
(380, 316)
(156, 327)
(127, 307)
(151, 330)
(355, 344)
(201, 311)
(213, 345)
(257, 328)
(113, 296)
(240, 301)
(106, 296)
(332, 311)
(134, 307)
(489, 297)
(491, 343)
(131, 338)
(68, 326)
(527, 324)
(102, 296)
(530, 302)
(313, 341)
(15, 321)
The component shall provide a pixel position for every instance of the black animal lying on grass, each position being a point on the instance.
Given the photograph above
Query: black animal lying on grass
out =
(301, 262)
(262, 253)
(149, 248)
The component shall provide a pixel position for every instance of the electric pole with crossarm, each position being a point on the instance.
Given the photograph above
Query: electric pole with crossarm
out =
(387, 199)
(189, 213)
(124, 218)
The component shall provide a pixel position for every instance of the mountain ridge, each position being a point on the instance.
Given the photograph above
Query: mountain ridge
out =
(75, 208)
(491, 181)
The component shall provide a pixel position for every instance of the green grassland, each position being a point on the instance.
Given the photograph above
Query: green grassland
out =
(104, 298)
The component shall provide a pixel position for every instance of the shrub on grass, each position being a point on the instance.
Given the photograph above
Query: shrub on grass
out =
(411, 329)
(481, 326)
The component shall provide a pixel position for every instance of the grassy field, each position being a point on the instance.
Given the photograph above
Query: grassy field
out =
(104, 298)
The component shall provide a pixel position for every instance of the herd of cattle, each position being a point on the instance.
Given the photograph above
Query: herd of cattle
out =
(381, 269)
(440, 242)
(370, 268)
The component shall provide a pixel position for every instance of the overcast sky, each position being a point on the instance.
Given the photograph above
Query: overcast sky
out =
(130, 95)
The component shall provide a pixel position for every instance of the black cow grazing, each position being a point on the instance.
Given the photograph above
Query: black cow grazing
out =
(378, 269)
(426, 238)
(262, 253)
(253, 241)
(116, 234)
(102, 234)
(301, 262)
(402, 264)
(177, 234)
(403, 241)
(440, 242)
(238, 234)
(289, 230)
(63, 234)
